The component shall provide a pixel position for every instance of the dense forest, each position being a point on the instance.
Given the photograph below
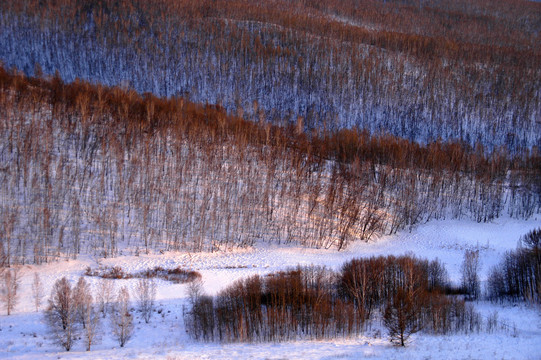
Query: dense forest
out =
(100, 170)
(423, 70)
(166, 125)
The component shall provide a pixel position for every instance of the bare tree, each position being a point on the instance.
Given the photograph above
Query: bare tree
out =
(470, 274)
(122, 320)
(532, 240)
(8, 225)
(10, 285)
(195, 291)
(92, 321)
(356, 284)
(82, 300)
(106, 291)
(61, 314)
(401, 317)
(145, 292)
(3, 257)
(37, 290)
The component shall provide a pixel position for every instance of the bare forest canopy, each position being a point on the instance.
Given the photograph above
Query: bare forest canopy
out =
(103, 170)
(423, 70)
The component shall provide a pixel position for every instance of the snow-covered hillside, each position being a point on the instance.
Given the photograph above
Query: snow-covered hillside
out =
(24, 334)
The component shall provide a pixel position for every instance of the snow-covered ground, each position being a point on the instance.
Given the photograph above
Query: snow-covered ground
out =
(24, 335)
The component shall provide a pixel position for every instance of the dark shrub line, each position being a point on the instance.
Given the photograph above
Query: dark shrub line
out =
(176, 275)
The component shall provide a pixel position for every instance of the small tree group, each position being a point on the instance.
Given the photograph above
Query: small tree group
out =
(518, 276)
(314, 302)
(70, 312)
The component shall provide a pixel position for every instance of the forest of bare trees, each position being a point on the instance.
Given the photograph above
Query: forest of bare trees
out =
(466, 71)
(91, 169)
(132, 127)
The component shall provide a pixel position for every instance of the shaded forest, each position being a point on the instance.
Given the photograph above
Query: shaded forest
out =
(423, 70)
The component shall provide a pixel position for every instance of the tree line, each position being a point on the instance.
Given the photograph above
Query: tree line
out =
(312, 302)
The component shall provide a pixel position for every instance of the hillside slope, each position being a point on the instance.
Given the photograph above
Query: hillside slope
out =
(92, 170)
(421, 70)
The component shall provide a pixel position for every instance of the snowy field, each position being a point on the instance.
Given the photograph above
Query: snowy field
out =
(24, 334)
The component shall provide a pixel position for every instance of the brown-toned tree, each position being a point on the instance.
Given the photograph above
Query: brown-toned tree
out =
(470, 282)
(145, 293)
(105, 295)
(82, 300)
(61, 314)
(9, 290)
(37, 291)
(402, 316)
(92, 320)
(121, 318)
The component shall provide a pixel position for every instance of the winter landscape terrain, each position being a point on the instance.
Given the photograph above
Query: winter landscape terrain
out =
(274, 179)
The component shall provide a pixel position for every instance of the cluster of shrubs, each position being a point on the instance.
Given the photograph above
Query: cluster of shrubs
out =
(314, 302)
(177, 275)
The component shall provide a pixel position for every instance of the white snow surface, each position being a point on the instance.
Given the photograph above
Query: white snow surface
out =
(24, 335)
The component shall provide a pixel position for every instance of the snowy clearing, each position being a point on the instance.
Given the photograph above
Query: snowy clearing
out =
(24, 334)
